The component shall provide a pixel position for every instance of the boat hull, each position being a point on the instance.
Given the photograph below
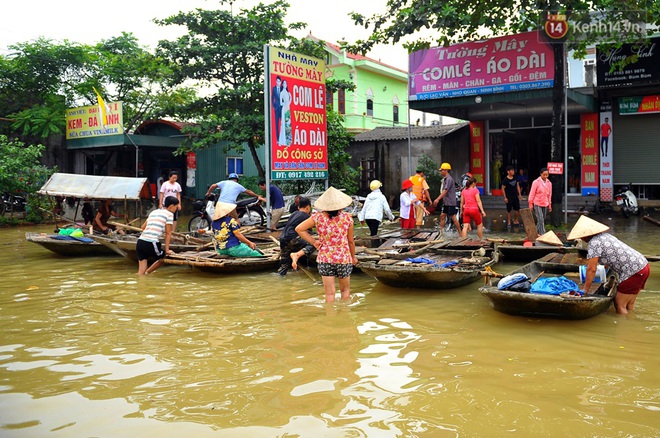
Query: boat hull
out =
(69, 248)
(209, 261)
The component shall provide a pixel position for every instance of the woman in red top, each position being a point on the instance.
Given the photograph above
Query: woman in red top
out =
(472, 208)
(539, 199)
(335, 244)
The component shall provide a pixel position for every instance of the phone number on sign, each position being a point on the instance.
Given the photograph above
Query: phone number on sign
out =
(299, 175)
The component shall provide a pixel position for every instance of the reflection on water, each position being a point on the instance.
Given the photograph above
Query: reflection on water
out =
(87, 348)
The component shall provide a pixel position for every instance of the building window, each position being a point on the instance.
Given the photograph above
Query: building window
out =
(395, 114)
(235, 165)
(329, 99)
(341, 101)
(370, 107)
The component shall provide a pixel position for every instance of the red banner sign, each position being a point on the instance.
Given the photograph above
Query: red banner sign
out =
(555, 168)
(477, 156)
(589, 136)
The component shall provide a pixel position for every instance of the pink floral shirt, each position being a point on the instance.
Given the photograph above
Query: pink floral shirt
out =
(333, 234)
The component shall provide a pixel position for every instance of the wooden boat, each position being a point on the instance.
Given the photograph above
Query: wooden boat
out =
(125, 245)
(395, 270)
(70, 247)
(211, 261)
(516, 252)
(597, 301)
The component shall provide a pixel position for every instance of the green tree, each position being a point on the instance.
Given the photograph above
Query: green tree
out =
(40, 79)
(21, 173)
(224, 52)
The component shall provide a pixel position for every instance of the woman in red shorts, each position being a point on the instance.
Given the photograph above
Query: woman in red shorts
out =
(472, 209)
(605, 249)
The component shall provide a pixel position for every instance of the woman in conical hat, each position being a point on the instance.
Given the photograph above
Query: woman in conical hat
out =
(227, 237)
(335, 244)
(605, 249)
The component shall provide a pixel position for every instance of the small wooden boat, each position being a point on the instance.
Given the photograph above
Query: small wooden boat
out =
(517, 252)
(211, 261)
(125, 245)
(69, 246)
(448, 268)
(564, 306)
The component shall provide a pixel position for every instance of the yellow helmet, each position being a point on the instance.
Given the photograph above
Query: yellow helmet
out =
(445, 166)
(375, 184)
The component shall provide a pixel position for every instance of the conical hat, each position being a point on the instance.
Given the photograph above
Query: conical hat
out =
(586, 227)
(332, 199)
(550, 238)
(222, 209)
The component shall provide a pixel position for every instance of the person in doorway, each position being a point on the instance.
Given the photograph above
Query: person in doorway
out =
(540, 199)
(472, 208)
(159, 222)
(276, 203)
(605, 249)
(159, 182)
(407, 203)
(103, 215)
(335, 244)
(512, 194)
(373, 208)
(448, 198)
(605, 132)
(292, 246)
(421, 191)
(523, 181)
(227, 237)
(229, 191)
(171, 188)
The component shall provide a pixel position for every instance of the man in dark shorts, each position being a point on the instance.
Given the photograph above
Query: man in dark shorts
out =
(603, 248)
(148, 246)
(290, 242)
(512, 194)
(448, 198)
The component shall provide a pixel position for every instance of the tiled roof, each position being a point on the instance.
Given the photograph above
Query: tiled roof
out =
(396, 133)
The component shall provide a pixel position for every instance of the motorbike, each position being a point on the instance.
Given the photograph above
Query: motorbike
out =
(249, 212)
(202, 214)
(10, 203)
(627, 200)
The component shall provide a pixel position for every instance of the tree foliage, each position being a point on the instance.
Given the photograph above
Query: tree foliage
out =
(40, 79)
(421, 23)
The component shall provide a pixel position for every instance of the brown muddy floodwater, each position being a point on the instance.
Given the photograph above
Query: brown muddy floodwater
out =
(89, 349)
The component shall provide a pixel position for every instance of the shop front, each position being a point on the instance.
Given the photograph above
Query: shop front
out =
(503, 86)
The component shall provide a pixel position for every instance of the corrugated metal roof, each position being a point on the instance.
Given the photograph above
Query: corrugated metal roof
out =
(95, 187)
(396, 133)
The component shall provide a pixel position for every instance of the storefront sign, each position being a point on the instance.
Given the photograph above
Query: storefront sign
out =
(87, 121)
(295, 90)
(639, 105)
(589, 139)
(606, 153)
(477, 155)
(642, 64)
(511, 63)
(555, 168)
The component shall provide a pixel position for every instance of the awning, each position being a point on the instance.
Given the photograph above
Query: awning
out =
(96, 187)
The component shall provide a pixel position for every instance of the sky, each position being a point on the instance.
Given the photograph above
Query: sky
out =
(91, 22)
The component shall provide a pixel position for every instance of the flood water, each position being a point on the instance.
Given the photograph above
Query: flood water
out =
(89, 349)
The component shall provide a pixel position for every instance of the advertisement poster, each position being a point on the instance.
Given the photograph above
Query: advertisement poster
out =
(87, 121)
(477, 155)
(511, 63)
(629, 64)
(639, 105)
(606, 147)
(296, 119)
(589, 130)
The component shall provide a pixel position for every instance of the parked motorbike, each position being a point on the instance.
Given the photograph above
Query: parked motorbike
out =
(249, 212)
(627, 200)
(202, 214)
(11, 203)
